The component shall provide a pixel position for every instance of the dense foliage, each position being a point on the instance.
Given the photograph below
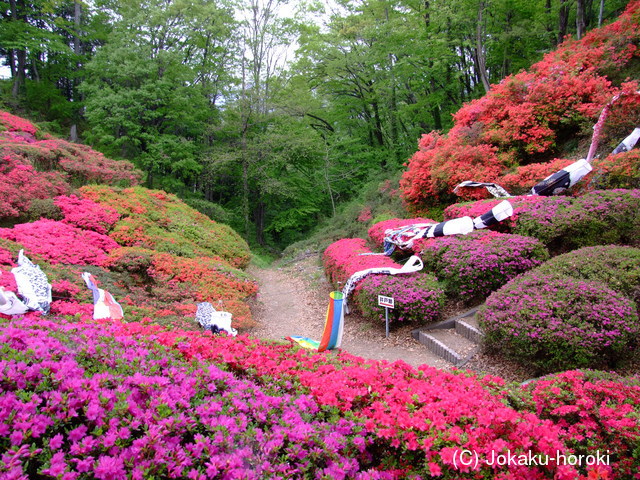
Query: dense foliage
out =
(528, 116)
(555, 322)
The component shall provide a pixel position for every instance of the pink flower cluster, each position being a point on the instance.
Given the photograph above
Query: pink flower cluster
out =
(20, 183)
(474, 265)
(16, 124)
(59, 242)
(421, 418)
(343, 258)
(81, 399)
(597, 411)
(87, 214)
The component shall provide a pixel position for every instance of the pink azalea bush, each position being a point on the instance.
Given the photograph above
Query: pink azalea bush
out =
(418, 297)
(376, 232)
(81, 399)
(342, 259)
(554, 322)
(12, 123)
(566, 223)
(474, 265)
(86, 214)
(59, 242)
(597, 411)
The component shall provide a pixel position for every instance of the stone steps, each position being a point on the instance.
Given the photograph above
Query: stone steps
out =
(456, 339)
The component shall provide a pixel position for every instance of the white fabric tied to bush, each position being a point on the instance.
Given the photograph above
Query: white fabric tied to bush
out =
(33, 285)
(211, 319)
(414, 264)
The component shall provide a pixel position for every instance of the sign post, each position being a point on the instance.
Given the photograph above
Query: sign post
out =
(387, 303)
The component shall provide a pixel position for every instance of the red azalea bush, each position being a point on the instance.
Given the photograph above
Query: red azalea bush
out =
(614, 171)
(418, 297)
(527, 115)
(86, 214)
(61, 243)
(342, 259)
(598, 412)
(474, 265)
(377, 230)
(526, 177)
(555, 322)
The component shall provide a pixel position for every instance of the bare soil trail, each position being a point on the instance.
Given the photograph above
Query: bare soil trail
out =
(293, 300)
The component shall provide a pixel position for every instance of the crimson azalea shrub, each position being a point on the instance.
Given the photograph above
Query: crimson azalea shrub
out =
(343, 258)
(554, 322)
(78, 399)
(597, 411)
(617, 267)
(472, 266)
(377, 230)
(59, 242)
(527, 115)
(156, 220)
(615, 171)
(418, 297)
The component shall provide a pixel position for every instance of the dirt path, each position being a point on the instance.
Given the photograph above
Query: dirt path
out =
(293, 300)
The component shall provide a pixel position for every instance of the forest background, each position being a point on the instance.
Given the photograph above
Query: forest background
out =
(269, 115)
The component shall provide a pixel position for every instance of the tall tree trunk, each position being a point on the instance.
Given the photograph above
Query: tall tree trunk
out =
(77, 50)
(563, 20)
(601, 13)
(19, 78)
(580, 19)
(481, 62)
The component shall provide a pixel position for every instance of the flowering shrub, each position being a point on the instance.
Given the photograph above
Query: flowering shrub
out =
(418, 297)
(86, 214)
(61, 243)
(556, 322)
(342, 259)
(20, 184)
(421, 418)
(78, 400)
(472, 266)
(526, 177)
(566, 223)
(376, 232)
(597, 411)
(524, 117)
(12, 123)
(169, 283)
(616, 267)
(615, 171)
(157, 220)
(596, 218)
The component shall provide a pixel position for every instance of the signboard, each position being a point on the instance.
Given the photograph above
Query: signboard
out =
(385, 301)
